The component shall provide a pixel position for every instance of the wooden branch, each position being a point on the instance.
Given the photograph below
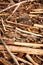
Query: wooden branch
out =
(20, 24)
(4, 14)
(12, 42)
(5, 62)
(31, 15)
(8, 50)
(34, 15)
(37, 9)
(31, 60)
(23, 31)
(14, 10)
(15, 5)
(3, 25)
(36, 12)
(38, 25)
(28, 44)
(23, 49)
(4, 3)
(9, 7)
(11, 1)
(24, 61)
(18, 58)
(39, 58)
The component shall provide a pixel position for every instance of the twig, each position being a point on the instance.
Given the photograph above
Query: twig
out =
(14, 5)
(39, 58)
(3, 25)
(14, 11)
(20, 24)
(4, 3)
(24, 61)
(12, 42)
(23, 31)
(5, 62)
(38, 25)
(31, 60)
(37, 9)
(16, 8)
(11, 1)
(4, 14)
(1, 30)
(23, 49)
(33, 15)
(8, 50)
(36, 12)
(34, 45)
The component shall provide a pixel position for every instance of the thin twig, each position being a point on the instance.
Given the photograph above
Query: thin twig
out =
(24, 61)
(31, 60)
(14, 11)
(23, 31)
(23, 49)
(4, 14)
(3, 25)
(39, 58)
(34, 45)
(5, 62)
(38, 25)
(14, 5)
(11, 1)
(36, 12)
(15, 60)
(37, 9)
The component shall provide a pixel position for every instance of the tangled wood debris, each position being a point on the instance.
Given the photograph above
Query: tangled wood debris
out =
(21, 32)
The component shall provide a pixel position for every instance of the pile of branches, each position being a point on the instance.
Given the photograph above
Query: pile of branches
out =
(21, 32)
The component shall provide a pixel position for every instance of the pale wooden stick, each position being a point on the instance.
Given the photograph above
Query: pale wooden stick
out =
(3, 25)
(37, 9)
(12, 42)
(38, 25)
(18, 58)
(28, 44)
(11, 1)
(31, 15)
(23, 31)
(4, 14)
(36, 12)
(5, 62)
(16, 8)
(14, 11)
(24, 61)
(20, 24)
(39, 58)
(23, 50)
(8, 50)
(12, 6)
(31, 60)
